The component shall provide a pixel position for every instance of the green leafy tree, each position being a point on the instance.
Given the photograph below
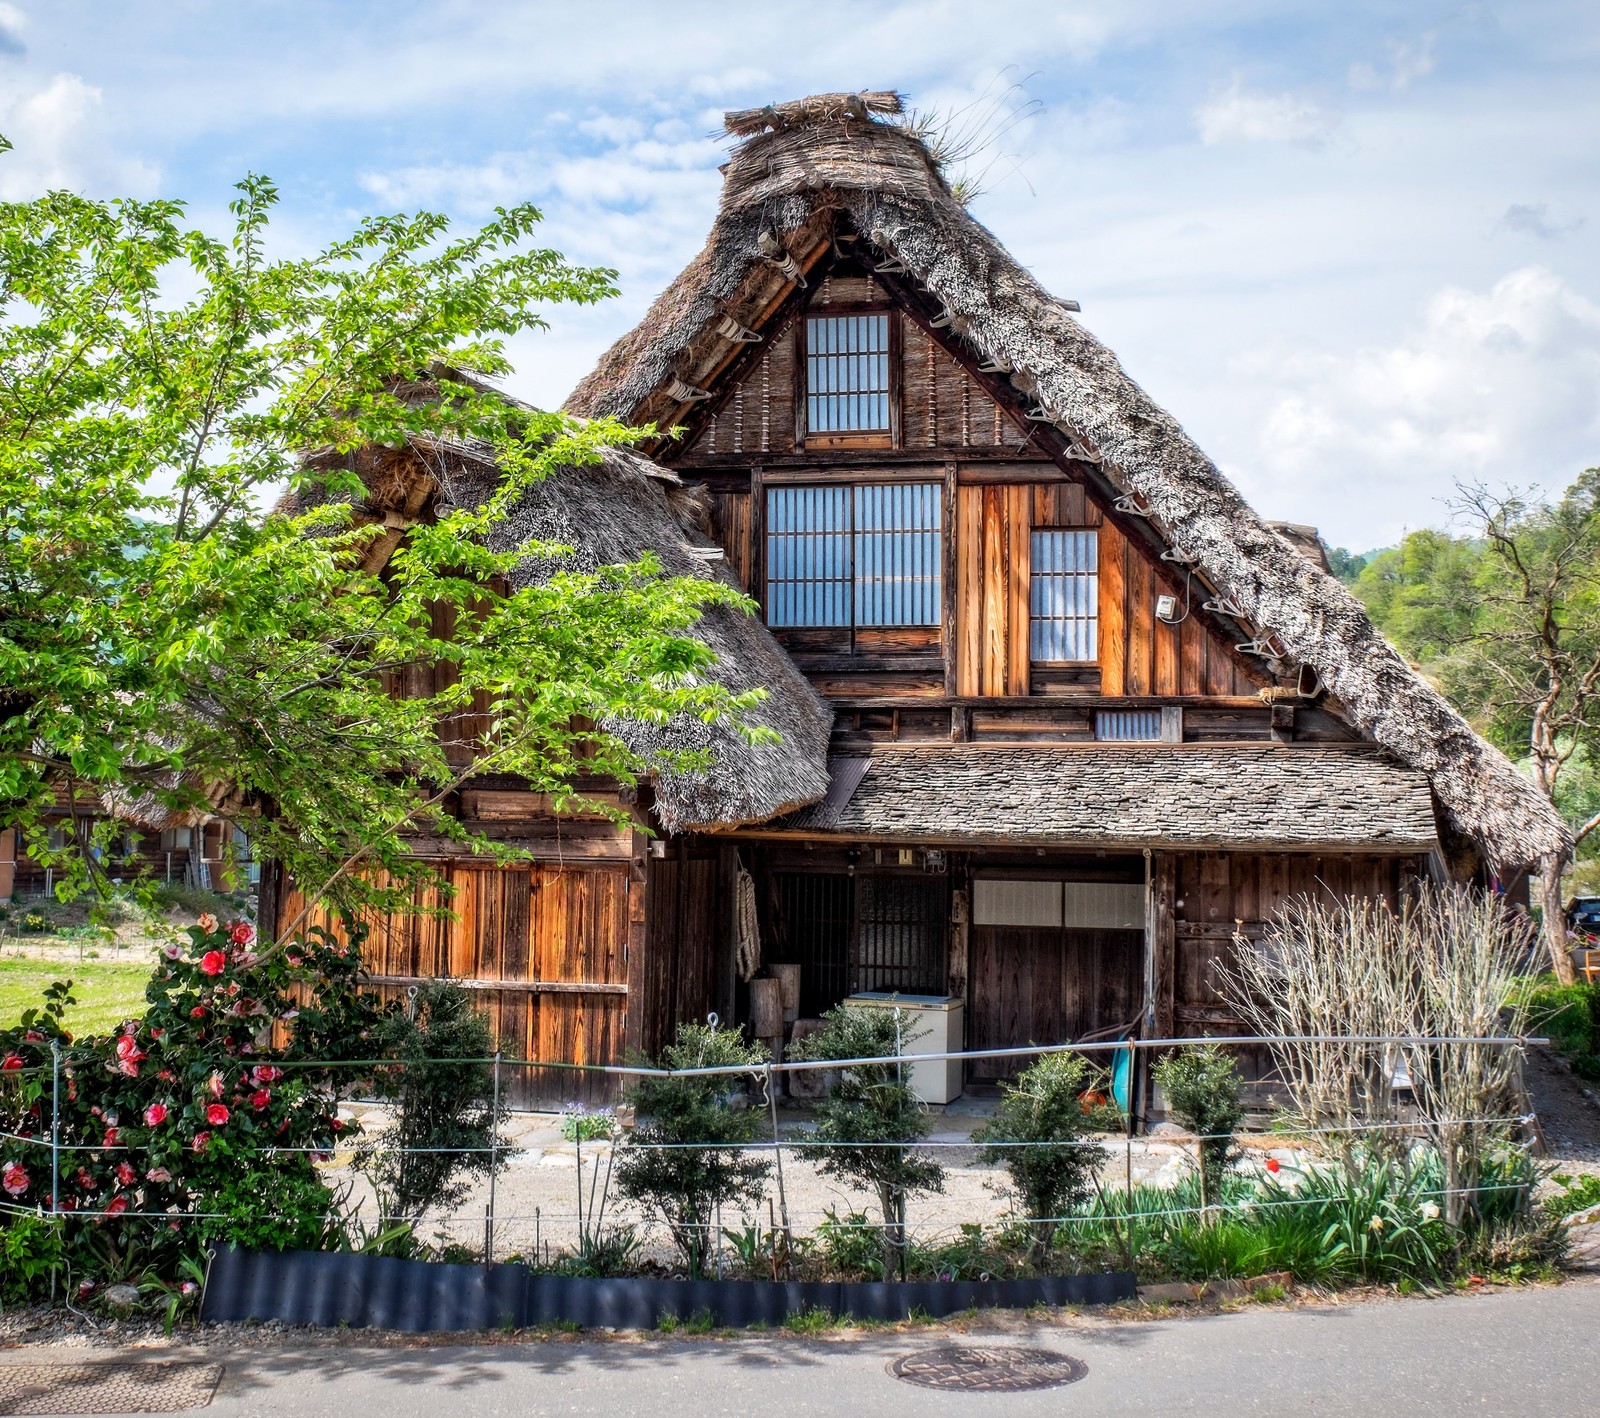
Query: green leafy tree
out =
(684, 1184)
(1051, 1159)
(869, 1124)
(161, 639)
(1507, 620)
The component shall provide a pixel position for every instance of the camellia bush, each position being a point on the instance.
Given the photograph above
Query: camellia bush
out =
(200, 1121)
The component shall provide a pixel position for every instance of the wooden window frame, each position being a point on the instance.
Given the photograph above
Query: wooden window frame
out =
(1099, 646)
(874, 438)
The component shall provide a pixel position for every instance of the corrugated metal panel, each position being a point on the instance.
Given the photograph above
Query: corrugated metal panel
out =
(331, 1288)
(1128, 725)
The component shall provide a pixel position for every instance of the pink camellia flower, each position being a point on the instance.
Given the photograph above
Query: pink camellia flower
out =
(171, 951)
(116, 1206)
(33, 1036)
(158, 1174)
(259, 1099)
(266, 1073)
(217, 1114)
(126, 1174)
(213, 962)
(202, 1140)
(85, 1287)
(129, 1026)
(155, 1115)
(207, 922)
(14, 1178)
(11, 1063)
(241, 933)
(86, 1179)
(112, 1135)
(217, 1084)
(198, 1012)
(128, 1048)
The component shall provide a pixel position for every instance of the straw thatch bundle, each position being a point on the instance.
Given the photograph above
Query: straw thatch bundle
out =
(810, 168)
(609, 513)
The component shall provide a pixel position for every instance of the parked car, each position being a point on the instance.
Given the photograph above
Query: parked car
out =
(1583, 917)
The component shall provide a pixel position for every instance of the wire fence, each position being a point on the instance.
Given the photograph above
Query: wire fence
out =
(539, 1200)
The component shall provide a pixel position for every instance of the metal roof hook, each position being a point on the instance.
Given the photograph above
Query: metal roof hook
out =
(1041, 415)
(994, 364)
(1221, 605)
(1126, 503)
(892, 267)
(731, 329)
(945, 316)
(685, 393)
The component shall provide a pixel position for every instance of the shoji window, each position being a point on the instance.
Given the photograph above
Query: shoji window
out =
(847, 373)
(1128, 725)
(1064, 595)
(863, 555)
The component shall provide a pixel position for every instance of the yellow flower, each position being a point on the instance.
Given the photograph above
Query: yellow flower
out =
(1376, 1225)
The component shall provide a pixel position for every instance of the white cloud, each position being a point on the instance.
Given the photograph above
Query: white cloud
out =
(1404, 63)
(60, 140)
(12, 23)
(1236, 115)
(1502, 386)
(1534, 219)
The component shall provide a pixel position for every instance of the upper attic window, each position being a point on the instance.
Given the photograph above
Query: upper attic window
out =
(847, 374)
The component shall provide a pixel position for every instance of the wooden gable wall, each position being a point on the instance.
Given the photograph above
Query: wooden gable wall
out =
(999, 488)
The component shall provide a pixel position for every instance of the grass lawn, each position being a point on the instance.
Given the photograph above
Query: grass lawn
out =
(108, 991)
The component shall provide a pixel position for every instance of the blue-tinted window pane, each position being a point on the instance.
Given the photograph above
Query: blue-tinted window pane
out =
(866, 555)
(1064, 595)
(1128, 725)
(847, 373)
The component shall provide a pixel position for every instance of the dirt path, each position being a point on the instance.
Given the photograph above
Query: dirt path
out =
(1568, 1109)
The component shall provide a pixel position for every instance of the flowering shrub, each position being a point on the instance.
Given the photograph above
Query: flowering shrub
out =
(197, 1120)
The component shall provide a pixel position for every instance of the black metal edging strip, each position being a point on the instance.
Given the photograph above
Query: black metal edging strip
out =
(329, 1288)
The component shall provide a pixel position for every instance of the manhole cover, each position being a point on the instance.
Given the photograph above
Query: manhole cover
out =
(999, 1370)
(164, 1386)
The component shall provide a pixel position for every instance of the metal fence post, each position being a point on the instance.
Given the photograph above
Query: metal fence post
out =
(777, 1152)
(55, 1150)
(494, 1163)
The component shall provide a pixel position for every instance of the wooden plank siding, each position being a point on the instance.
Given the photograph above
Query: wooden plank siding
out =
(547, 948)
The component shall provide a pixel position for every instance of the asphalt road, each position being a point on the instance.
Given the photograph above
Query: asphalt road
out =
(1511, 1353)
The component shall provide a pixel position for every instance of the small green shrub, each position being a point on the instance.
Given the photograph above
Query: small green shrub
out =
(603, 1253)
(283, 1206)
(440, 1089)
(1569, 1015)
(1201, 1084)
(870, 1122)
(33, 922)
(850, 1246)
(30, 1250)
(1039, 1135)
(580, 1125)
(684, 1185)
(1574, 1194)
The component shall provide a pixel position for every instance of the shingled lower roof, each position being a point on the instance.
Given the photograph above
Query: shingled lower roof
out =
(1131, 795)
(826, 166)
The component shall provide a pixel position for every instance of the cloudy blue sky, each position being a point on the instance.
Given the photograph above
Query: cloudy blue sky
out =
(1354, 247)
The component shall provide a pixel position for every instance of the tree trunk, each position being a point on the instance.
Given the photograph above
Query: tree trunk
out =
(1555, 921)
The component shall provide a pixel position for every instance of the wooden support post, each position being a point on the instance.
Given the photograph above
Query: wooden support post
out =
(8, 863)
(638, 922)
(1164, 943)
(1283, 723)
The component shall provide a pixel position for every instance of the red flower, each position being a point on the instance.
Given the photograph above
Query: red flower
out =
(1273, 1164)
(14, 1178)
(217, 1114)
(11, 1064)
(111, 1138)
(126, 1174)
(86, 1179)
(202, 1140)
(155, 1115)
(259, 1099)
(213, 962)
(116, 1206)
(33, 1036)
(241, 933)
(198, 1012)
(266, 1073)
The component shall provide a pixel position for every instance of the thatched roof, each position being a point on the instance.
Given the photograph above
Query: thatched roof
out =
(610, 513)
(823, 165)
